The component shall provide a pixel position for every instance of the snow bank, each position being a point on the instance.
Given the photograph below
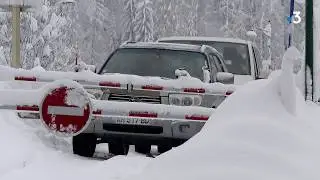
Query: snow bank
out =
(28, 152)
(254, 134)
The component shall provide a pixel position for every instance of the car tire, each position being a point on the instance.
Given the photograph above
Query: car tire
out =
(143, 148)
(116, 148)
(164, 148)
(84, 144)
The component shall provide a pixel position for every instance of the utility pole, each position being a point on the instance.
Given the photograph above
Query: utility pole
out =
(15, 7)
(15, 62)
(309, 51)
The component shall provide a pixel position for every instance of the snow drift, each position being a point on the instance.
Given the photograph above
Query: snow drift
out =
(30, 152)
(265, 130)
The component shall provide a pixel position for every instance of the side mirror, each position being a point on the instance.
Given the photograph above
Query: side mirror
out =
(225, 78)
(206, 75)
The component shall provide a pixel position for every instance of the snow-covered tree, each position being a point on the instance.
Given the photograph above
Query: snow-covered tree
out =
(5, 39)
(129, 19)
(144, 24)
(3, 60)
(165, 18)
(187, 18)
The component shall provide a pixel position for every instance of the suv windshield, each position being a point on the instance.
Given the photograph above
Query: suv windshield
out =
(155, 62)
(235, 55)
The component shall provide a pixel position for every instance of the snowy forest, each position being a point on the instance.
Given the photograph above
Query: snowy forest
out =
(57, 33)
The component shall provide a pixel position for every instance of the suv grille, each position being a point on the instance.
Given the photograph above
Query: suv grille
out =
(128, 98)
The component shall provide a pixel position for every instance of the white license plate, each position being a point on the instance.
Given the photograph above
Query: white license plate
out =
(133, 121)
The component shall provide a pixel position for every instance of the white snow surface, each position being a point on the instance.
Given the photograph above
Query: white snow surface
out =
(31, 153)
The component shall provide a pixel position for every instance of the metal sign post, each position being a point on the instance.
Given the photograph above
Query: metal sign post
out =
(309, 93)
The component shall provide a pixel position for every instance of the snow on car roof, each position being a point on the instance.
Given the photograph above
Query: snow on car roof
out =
(158, 45)
(203, 38)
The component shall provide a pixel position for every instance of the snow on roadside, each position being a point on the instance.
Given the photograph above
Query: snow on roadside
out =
(31, 153)
(258, 140)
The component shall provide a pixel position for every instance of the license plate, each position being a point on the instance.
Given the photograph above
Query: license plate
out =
(134, 121)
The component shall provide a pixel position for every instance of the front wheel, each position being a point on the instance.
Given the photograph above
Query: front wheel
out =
(84, 144)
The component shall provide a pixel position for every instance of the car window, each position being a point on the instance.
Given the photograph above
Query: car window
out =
(235, 55)
(155, 62)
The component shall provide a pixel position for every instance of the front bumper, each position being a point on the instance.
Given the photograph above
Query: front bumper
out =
(132, 128)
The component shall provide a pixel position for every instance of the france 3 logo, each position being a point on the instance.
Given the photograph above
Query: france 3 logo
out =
(295, 18)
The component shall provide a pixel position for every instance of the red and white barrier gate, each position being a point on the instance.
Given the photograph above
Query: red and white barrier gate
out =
(64, 106)
(66, 109)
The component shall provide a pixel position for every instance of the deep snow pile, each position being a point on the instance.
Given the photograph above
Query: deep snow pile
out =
(255, 134)
(29, 152)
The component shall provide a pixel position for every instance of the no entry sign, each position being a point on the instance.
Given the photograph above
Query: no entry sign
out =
(66, 109)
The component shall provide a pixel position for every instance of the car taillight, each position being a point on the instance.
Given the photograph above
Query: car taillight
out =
(152, 87)
(143, 114)
(194, 90)
(22, 78)
(197, 117)
(109, 84)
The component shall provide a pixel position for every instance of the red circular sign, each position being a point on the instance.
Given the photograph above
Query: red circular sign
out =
(66, 109)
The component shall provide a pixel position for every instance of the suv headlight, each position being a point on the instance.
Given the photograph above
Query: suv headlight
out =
(185, 100)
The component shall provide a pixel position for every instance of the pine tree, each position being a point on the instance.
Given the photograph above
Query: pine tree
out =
(144, 24)
(188, 16)
(5, 39)
(166, 18)
(129, 19)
